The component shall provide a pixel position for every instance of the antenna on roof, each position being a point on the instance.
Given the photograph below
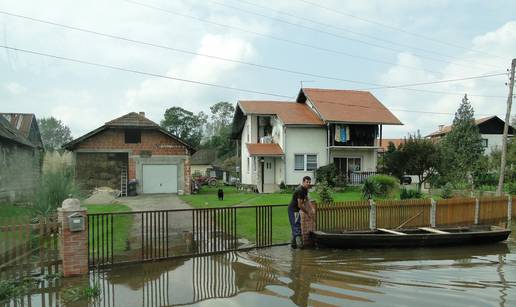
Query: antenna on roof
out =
(301, 81)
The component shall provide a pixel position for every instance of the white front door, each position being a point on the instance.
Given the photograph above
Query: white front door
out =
(268, 172)
(159, 178)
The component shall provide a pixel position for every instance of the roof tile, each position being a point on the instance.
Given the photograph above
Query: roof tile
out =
(259, 149)
(289, 112)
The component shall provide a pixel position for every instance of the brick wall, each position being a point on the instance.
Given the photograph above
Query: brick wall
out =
(152, 140)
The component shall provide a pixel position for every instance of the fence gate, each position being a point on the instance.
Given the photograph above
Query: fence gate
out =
(122, 237)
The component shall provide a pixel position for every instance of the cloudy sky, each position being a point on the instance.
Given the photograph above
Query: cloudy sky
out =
(334, 40)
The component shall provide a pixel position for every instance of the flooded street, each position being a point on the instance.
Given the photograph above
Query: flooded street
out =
(454, 276)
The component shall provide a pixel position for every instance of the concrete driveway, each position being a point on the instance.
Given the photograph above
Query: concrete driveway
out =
(149, 202)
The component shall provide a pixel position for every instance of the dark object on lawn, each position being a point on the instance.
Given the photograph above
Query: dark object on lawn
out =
(195, 187)
(418, 237)
(131, 187)
(221, 194)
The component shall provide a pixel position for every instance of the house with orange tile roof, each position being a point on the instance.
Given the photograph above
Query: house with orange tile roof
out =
(282, 141)
(490, 128)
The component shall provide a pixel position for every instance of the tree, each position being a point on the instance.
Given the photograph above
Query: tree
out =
(184, 124)
(393, 161)
(219, 129)
(462, 146)
(420, 157)
(221, 114)
(53, 133)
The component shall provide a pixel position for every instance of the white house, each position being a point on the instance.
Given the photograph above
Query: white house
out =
(281, 141)
(491, 131)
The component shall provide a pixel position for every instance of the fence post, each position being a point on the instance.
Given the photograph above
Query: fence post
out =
(308, 223)
(477, 211)
(509, 211)
(433, 210)
(73, 238)
(372, 215)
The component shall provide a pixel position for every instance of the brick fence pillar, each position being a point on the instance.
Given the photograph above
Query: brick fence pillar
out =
(308, 224)
(188, 178)
(73, 245)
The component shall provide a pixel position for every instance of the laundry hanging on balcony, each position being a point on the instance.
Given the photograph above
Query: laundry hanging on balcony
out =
(342, 133)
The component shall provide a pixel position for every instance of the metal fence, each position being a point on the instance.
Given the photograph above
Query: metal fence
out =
(121, 237)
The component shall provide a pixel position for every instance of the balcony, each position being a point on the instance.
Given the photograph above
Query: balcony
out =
(346, 136)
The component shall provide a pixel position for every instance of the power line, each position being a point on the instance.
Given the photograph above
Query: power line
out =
(335, 11)
(143, 72)
(395, 50)
(282, 39)
(112, 67)
(305, 18)
(275, 68)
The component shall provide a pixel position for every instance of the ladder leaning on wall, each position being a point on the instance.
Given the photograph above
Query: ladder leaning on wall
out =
(123, 181)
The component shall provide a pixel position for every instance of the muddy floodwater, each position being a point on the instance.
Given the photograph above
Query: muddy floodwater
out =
(453, 276)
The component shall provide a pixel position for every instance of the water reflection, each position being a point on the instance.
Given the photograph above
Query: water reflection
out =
(482, 275)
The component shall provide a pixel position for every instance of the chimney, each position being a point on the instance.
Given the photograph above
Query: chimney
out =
(142, 113)
(441, 127)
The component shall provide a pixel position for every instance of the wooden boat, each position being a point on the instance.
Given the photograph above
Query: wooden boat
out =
(418, 237)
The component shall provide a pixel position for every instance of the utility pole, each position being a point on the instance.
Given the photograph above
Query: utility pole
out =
(499, 190)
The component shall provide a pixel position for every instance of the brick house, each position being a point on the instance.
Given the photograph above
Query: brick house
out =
(132, 147)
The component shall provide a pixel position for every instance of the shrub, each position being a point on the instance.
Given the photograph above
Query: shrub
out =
(282, 186)
(409, 194)
(325, 194)
(370, 188)
(511, 188)
(56, 185)
(387, 184)
(328, 174)
(447, 191)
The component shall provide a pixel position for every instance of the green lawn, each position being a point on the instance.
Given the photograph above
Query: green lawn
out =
(246, 218)
(9, 212)
(121, 225)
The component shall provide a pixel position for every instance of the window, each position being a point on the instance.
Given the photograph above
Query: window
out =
(484, 143)
(299, 163)
(305, 162)
(133, 136)
(248, 164)
(354, 164)
(254, 164)
(311, 162)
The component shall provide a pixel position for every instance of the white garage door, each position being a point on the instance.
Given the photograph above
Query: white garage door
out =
(159, 178)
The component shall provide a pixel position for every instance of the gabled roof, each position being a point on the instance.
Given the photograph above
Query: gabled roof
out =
(204, 157)
(289, 112)
(23, 123)
(7, 131)
(130, 120)
(259, 149)
(447, 129)
(348, 106)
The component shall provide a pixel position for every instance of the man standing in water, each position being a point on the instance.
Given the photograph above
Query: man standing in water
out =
(299, 202)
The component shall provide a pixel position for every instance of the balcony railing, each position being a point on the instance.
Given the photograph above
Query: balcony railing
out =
(358, 177)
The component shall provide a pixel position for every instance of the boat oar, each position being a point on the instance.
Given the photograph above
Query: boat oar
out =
(410, 219)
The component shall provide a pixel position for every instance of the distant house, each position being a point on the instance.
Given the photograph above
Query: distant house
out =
(385, 144)
(202, 161)
(491, 131)
(21, 156)
(281, 141)
(132, 147)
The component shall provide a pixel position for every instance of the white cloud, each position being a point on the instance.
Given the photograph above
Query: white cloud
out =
(501, 42)
(156, 94)
(14, 88)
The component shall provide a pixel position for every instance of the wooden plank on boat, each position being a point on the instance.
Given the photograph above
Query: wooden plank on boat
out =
(433, 230)
(394, 232)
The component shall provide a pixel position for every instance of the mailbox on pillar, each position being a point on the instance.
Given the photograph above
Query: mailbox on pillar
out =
(76, 222)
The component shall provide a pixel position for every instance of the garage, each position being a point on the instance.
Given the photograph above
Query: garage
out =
(159, 178)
